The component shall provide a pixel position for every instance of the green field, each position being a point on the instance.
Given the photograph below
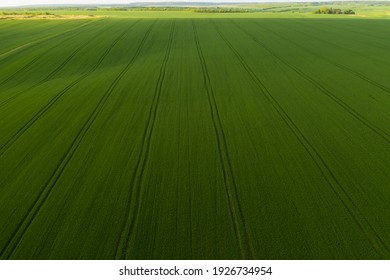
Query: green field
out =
(173, 135)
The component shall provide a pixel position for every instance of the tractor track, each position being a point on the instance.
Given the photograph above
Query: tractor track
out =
(238, 219)
(322, 89)
(342, 67)
(25, 223)
(38, 41)
(354, 211)
(371, 44)
(47, 78)
(43, 110)
(127, 231)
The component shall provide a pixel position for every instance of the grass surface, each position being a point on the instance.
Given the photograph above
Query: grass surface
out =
(184, 138)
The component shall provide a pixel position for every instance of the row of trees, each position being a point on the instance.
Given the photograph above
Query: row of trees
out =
(195, 10)
(26, 13)
(221, 10)
(326, 10)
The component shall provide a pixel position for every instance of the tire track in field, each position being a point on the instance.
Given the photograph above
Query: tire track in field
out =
(95, 67)
(353, 210)
(19, 32)
(24, 224)
(236, 213)
(338, 65)
(23, 68)
(365, 32)
(32, 43)
(64, 63)
(322, 89)
(52, 101)
(361, 55)
(12, 34)
(123, 244)
(47, 78)
(357, 32)
(69, 58)
(32, 62)
(370, 44)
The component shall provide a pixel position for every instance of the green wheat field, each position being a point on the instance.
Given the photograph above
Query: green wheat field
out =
(181, 135)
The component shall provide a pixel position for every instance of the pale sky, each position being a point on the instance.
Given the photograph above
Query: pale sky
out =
(9, 3)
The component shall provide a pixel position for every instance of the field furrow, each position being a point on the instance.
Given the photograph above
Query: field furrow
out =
(45, 79)
(58, 95)
(346, 68)
(47, 188)
(67, 156)
(14, 36)
(240, 227)
(329, 176)
(42, 40)
(325, 91)
(126, 240)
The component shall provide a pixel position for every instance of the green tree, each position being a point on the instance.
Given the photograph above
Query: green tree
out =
(324, 10)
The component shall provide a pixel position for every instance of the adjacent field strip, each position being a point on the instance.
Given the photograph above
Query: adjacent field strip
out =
(37, 58)
(374, 238)
(127, 231)
(360, 54)
(42, 111)
(40, 30)
(340, 66)
(345, 24)
(51, 75)
(32, 43)
(17, 235)
(238, 219)
(369, 43)
(322, 89)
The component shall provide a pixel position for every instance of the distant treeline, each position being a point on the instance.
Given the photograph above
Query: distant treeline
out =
(109, 9)
(158, 9)
(177, 9)
(26, 13)
(326, 10)
(221, 10)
